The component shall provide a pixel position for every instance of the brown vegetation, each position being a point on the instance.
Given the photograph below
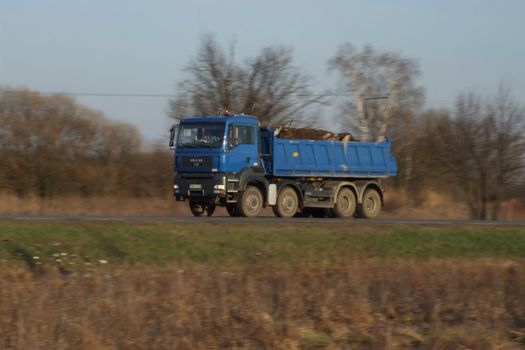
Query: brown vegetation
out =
(358, 304)
(92, 205)
(398, 204)
(479, 149)
(429, 205)
(50, 146)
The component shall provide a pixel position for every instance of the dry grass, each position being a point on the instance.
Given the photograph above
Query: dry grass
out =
(94, 205)
(360, 304)
(97, 206)
(434, 206)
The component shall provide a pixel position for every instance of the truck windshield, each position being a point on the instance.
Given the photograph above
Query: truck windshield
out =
(201, 135)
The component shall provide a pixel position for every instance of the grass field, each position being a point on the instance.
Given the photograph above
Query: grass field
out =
(254, 286)
(247, 244)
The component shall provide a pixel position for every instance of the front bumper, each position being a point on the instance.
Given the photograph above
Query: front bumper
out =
(207, 187)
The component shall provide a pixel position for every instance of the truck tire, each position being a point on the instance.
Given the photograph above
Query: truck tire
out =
(232, 210)
(371, 205)
(202, 209)
(346, 203)
(287, 203)
(250, 202)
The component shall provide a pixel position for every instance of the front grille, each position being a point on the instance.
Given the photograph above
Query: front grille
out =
(197, 162)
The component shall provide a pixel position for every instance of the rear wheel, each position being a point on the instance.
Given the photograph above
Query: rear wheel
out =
(287, 203)
(371, 205)
(250, 202)
(202, 209)
(346, 203)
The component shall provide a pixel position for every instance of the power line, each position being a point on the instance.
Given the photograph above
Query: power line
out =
(432, 101)
(375, 98)
(107, 94)
(121, 94)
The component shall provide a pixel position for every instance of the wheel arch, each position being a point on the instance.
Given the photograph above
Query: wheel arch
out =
(294, 186)
(338, 185)
(254, 177)
(365, 185)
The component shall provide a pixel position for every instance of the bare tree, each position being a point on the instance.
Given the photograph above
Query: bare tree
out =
(508, 120)
(268, 85)
(50, 145)
(214, 85)
(381, 86)
(382, 97)
(481, 150)
(275, 90)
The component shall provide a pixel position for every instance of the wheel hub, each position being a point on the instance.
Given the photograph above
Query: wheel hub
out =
(288, 203)
(370, 204)
(345, 203)
(253, 202)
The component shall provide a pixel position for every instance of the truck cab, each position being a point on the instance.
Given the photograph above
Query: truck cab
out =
(215, 158)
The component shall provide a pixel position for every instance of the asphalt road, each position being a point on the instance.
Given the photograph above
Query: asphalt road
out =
(260, 219)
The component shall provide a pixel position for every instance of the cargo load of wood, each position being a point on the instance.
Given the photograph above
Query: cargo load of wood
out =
(312, 134)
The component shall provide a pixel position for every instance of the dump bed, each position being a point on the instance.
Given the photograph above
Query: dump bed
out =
(315, 158)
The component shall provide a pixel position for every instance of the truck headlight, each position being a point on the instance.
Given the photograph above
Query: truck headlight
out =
(176, 188)
(219, 189)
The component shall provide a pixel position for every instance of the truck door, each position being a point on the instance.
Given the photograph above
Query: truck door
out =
(243, 149)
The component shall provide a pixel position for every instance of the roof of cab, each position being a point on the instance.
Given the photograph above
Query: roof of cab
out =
(221, 118)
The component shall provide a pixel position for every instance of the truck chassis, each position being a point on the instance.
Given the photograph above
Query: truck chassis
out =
(288, 197)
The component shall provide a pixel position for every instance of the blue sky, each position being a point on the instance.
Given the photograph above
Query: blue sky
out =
(142, 46)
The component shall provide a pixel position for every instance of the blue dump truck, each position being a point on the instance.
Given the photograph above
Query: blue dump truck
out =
(234, 162)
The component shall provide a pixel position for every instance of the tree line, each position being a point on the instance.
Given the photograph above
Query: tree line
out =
(52, 146)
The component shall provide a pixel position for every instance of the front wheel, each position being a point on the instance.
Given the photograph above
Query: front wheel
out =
(250, 202)
(202, 209)
(371, 205)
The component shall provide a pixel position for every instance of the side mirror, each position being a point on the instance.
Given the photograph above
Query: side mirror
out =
(173, 133)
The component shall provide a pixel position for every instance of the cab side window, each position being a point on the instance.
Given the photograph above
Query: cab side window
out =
(241, 135)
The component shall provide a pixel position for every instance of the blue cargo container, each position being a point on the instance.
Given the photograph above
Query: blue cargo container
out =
(233, 162)
(333, 159)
